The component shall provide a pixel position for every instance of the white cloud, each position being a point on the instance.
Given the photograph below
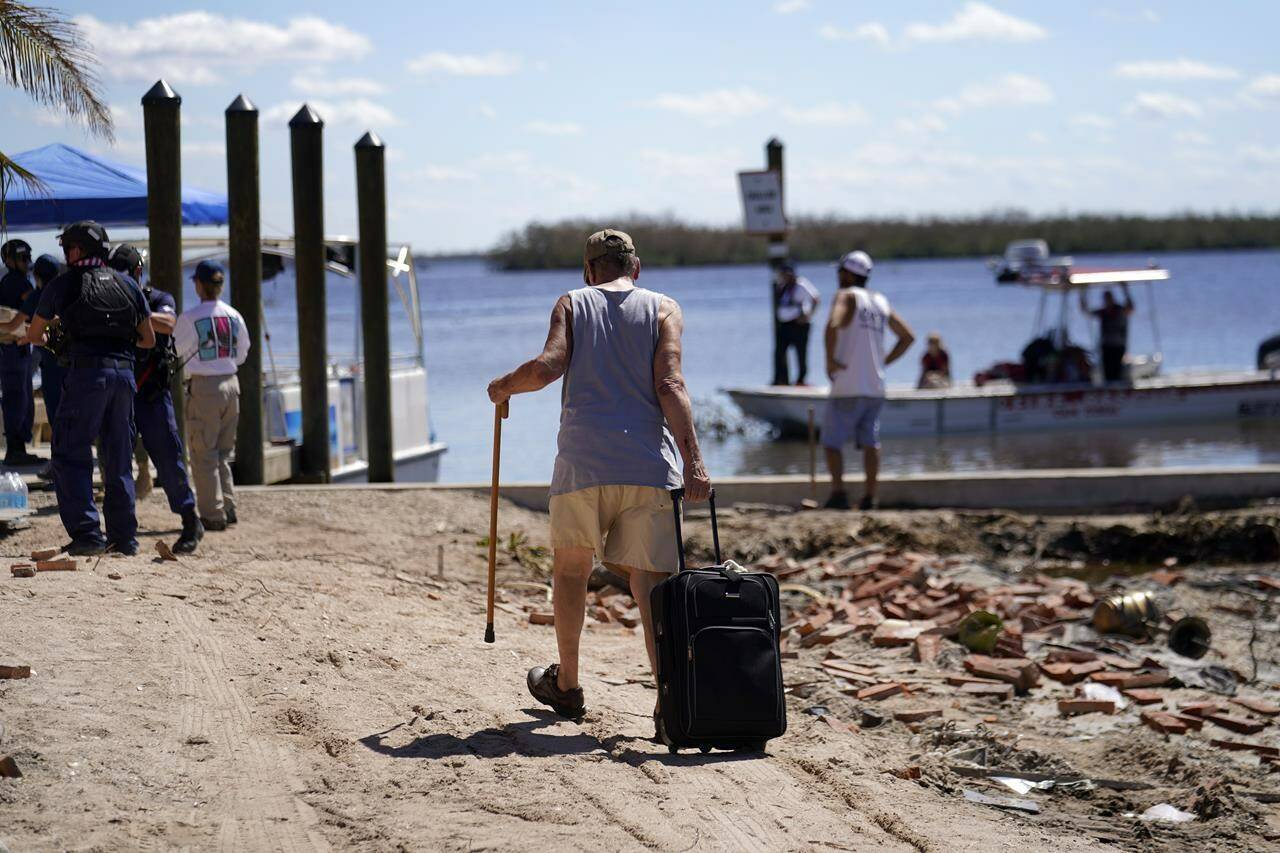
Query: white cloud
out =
(872, 32)
(1141, 16)
(1175, 69)
(1259, 155)
(716, 105)
(713, 168)
(827, 115)
(554, 128)
(921, 125)
(1091, 121)
(487, 111)
(1009, 90)
(790, 7)
(188, 48)
(361, 112)
(1164, 105)
(977, 21)
(313, 83)
(1265, 86)
(443, 174)
(1192, 137)
(495, 64)
(1038, 137)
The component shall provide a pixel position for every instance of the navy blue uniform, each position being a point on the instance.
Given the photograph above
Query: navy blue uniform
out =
(97, 403)
(17, 400)
(153, 412)
(52, 374)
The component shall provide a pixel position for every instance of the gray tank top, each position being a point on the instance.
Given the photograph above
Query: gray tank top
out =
(612, 431)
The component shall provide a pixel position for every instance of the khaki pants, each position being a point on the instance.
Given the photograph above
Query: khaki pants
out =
(213, 410)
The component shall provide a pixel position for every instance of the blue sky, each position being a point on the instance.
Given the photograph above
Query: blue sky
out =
(498, 113)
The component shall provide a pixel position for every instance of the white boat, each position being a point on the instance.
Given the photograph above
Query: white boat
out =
(1007, 405)
(416, 451)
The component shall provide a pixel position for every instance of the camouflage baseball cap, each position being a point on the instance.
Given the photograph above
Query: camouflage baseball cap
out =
(608, 242)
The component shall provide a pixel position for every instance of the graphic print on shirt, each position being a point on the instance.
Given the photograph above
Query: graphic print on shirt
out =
(217, 337)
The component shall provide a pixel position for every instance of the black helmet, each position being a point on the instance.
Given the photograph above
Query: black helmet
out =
(88, 235)
(46, 268)
(125, 258)
(13, 248)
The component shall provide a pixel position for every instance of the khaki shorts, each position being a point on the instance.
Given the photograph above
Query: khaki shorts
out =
(628, 527)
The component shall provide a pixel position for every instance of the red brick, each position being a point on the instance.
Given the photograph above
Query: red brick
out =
(880, 691)
(22, 570)
(542, 617)
(1239, 725)
(915, 716)
(816, 622)
(45, 554)
(55, 565)
(1070, 673)
(990, 691)
(1143, 696)
(1257, 706)
(898, 633)
(1244, 746)
(927, 647)
(873, 589)
(1129, 681)
(1194, 723)
(1020, 672)
(1070, 656)
(1164, 723)
(1201, 708)
(15, 671)
(1071, 707)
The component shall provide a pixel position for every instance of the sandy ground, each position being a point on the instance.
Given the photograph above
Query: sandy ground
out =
(306, 682)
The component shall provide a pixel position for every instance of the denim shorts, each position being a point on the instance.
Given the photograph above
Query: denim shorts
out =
(854, 419)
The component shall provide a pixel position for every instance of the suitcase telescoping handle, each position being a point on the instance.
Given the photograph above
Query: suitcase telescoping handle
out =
(677, 500)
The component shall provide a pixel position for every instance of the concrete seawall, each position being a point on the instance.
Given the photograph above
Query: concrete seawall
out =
(1065, 490)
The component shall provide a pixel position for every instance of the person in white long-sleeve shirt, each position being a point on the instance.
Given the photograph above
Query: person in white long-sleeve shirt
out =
(213, 341)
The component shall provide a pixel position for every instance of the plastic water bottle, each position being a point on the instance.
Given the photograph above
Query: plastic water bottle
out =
(8, 497)
(22, 492)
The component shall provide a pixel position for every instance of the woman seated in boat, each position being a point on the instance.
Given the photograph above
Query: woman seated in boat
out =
(935, 364)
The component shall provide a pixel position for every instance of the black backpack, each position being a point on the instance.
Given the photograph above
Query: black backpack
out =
(105, 307)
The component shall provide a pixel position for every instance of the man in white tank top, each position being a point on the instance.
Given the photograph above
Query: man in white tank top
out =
(855, 362)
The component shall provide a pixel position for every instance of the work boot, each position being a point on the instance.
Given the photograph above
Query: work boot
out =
(868, 503)
(544, 687)
(20, 458)
(85, 548)
(192, 533)
(46, 472)
(124, 549)
(231, 517)
(210, 524)
(838, 500)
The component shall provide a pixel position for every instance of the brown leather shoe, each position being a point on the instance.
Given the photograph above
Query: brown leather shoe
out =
(543, 686)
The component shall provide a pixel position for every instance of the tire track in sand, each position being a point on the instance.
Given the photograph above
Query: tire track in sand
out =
(262, 809)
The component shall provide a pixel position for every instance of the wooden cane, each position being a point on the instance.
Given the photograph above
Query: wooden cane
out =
(500, 412)
(813, 459)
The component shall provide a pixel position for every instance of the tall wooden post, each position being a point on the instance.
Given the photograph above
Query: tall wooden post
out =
(245, 237)
(162, 126)
(778, 252)
(371, 202)
(306, 136)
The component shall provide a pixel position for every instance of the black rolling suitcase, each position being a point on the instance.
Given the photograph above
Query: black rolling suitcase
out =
(719, 667)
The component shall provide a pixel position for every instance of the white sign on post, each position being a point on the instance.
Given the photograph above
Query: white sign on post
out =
(762, 203)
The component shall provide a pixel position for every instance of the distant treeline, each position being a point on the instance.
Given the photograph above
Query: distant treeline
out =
(665, 241)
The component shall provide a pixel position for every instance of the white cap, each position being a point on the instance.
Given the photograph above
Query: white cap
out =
(858, 263)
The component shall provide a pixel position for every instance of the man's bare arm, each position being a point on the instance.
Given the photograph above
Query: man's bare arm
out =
(163, 322)
(673, 397)
(906, 338)
(35, 331)
(839, 319)
(548, 366)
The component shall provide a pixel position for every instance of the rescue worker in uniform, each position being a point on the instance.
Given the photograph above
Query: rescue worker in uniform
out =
(212, 342)
(104, 316)
(153, 404)
(44, 270)
(17, 399)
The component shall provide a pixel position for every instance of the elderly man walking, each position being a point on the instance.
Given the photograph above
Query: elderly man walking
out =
(618, 348)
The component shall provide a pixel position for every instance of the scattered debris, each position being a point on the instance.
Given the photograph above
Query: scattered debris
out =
(22, 570)
(1166, 812)
(1071, 707)
(165, 552)
(1011, 803)
(9, 768)
(11, 671)
(67, 565)
(542, 617)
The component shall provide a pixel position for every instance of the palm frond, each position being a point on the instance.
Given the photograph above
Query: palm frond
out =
(10, 174)
(46, 56)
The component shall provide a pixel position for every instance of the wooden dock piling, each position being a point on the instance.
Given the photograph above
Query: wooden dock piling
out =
(371, 201)
(245, 268)
(306, 137)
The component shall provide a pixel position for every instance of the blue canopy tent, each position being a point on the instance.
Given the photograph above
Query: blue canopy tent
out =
(81, 186)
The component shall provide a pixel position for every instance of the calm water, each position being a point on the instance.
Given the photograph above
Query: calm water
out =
(480, 323)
